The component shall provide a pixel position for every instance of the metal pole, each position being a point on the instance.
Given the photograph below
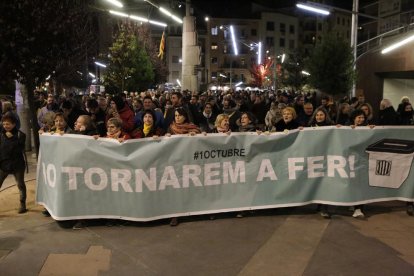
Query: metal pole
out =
(354, 37)
(231, 64)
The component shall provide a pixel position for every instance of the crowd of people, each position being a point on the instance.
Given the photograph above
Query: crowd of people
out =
(153, 114)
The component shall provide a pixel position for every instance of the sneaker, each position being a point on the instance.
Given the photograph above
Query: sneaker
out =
(45, 213)
(358, 214)
(78, 225)
(325, 215)
(239, 215)
(410, 209)
(174, 222)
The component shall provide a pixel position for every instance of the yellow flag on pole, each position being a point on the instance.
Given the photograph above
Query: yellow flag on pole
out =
(162, 46)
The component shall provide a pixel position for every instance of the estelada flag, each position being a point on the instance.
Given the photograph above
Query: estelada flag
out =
(162, 46)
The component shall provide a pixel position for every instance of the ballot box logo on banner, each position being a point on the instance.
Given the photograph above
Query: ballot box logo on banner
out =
(390, 162)
(383, 167)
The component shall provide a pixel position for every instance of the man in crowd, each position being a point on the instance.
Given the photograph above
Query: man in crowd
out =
(176, 101)
(51, 106)
(304, 117)
(148, 104)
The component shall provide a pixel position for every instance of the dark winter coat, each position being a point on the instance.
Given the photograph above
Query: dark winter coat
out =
(12, 156)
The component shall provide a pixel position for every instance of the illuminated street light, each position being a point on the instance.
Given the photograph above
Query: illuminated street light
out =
(312, 9)
(179, 83)
(398, 44)
(100, 64)
(283, 58)
(305, 73)
(259, 54)
(92, 75)
(238, 84)
(115, 3)
(169, 14)
(221, 75)
(233, 38)
(138, 18)
(206, 18)
(118, 13)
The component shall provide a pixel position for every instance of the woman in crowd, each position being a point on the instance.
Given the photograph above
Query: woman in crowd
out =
(387, 114)
(222, 124)
(406, 114)
(114, 130)
(12, 155)
(358, 118)
(7, 107)
(369, 114)
(148, 127)
(274, 115)
(119, 109)
(207, 119)
(343, 114)
(182, 124)
(288, 121)
(247, 122)
(320, 118)
(84, 126)
(60, 126)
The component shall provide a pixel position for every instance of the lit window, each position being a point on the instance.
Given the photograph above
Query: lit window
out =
(214, 46)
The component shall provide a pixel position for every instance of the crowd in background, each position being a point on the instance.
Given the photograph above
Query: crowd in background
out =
(153, 114)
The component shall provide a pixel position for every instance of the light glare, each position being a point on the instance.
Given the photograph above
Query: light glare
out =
(313, 9)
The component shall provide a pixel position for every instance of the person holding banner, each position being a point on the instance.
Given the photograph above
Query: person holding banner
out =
(359, 118)
(222, 124)
(320, 118)
(84, 126)
(288, 121)
(247, 122)
(181, 125)
(114, 127)
(148, 129)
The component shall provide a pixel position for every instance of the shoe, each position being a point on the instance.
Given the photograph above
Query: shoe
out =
(78, 225)
(22, 210)
(212, 217)
(239, 215)
(358, 213)
(45, 213)
(410, 209)
(174, 222)
(325, 215)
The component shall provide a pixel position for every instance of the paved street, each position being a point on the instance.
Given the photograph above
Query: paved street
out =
(291, 241)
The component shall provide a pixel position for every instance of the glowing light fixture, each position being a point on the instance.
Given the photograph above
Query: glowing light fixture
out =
(118, 13)
(312, 9)
(233, 38)
(115, 3)
(398, 44)
(100, 64)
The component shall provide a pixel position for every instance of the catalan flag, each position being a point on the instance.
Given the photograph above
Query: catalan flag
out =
(162, 46)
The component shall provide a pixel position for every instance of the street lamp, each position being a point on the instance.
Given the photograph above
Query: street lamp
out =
(322, 9)
(398, 44)
(137, 18)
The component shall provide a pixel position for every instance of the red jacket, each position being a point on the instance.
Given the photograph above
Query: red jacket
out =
(127, 117)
